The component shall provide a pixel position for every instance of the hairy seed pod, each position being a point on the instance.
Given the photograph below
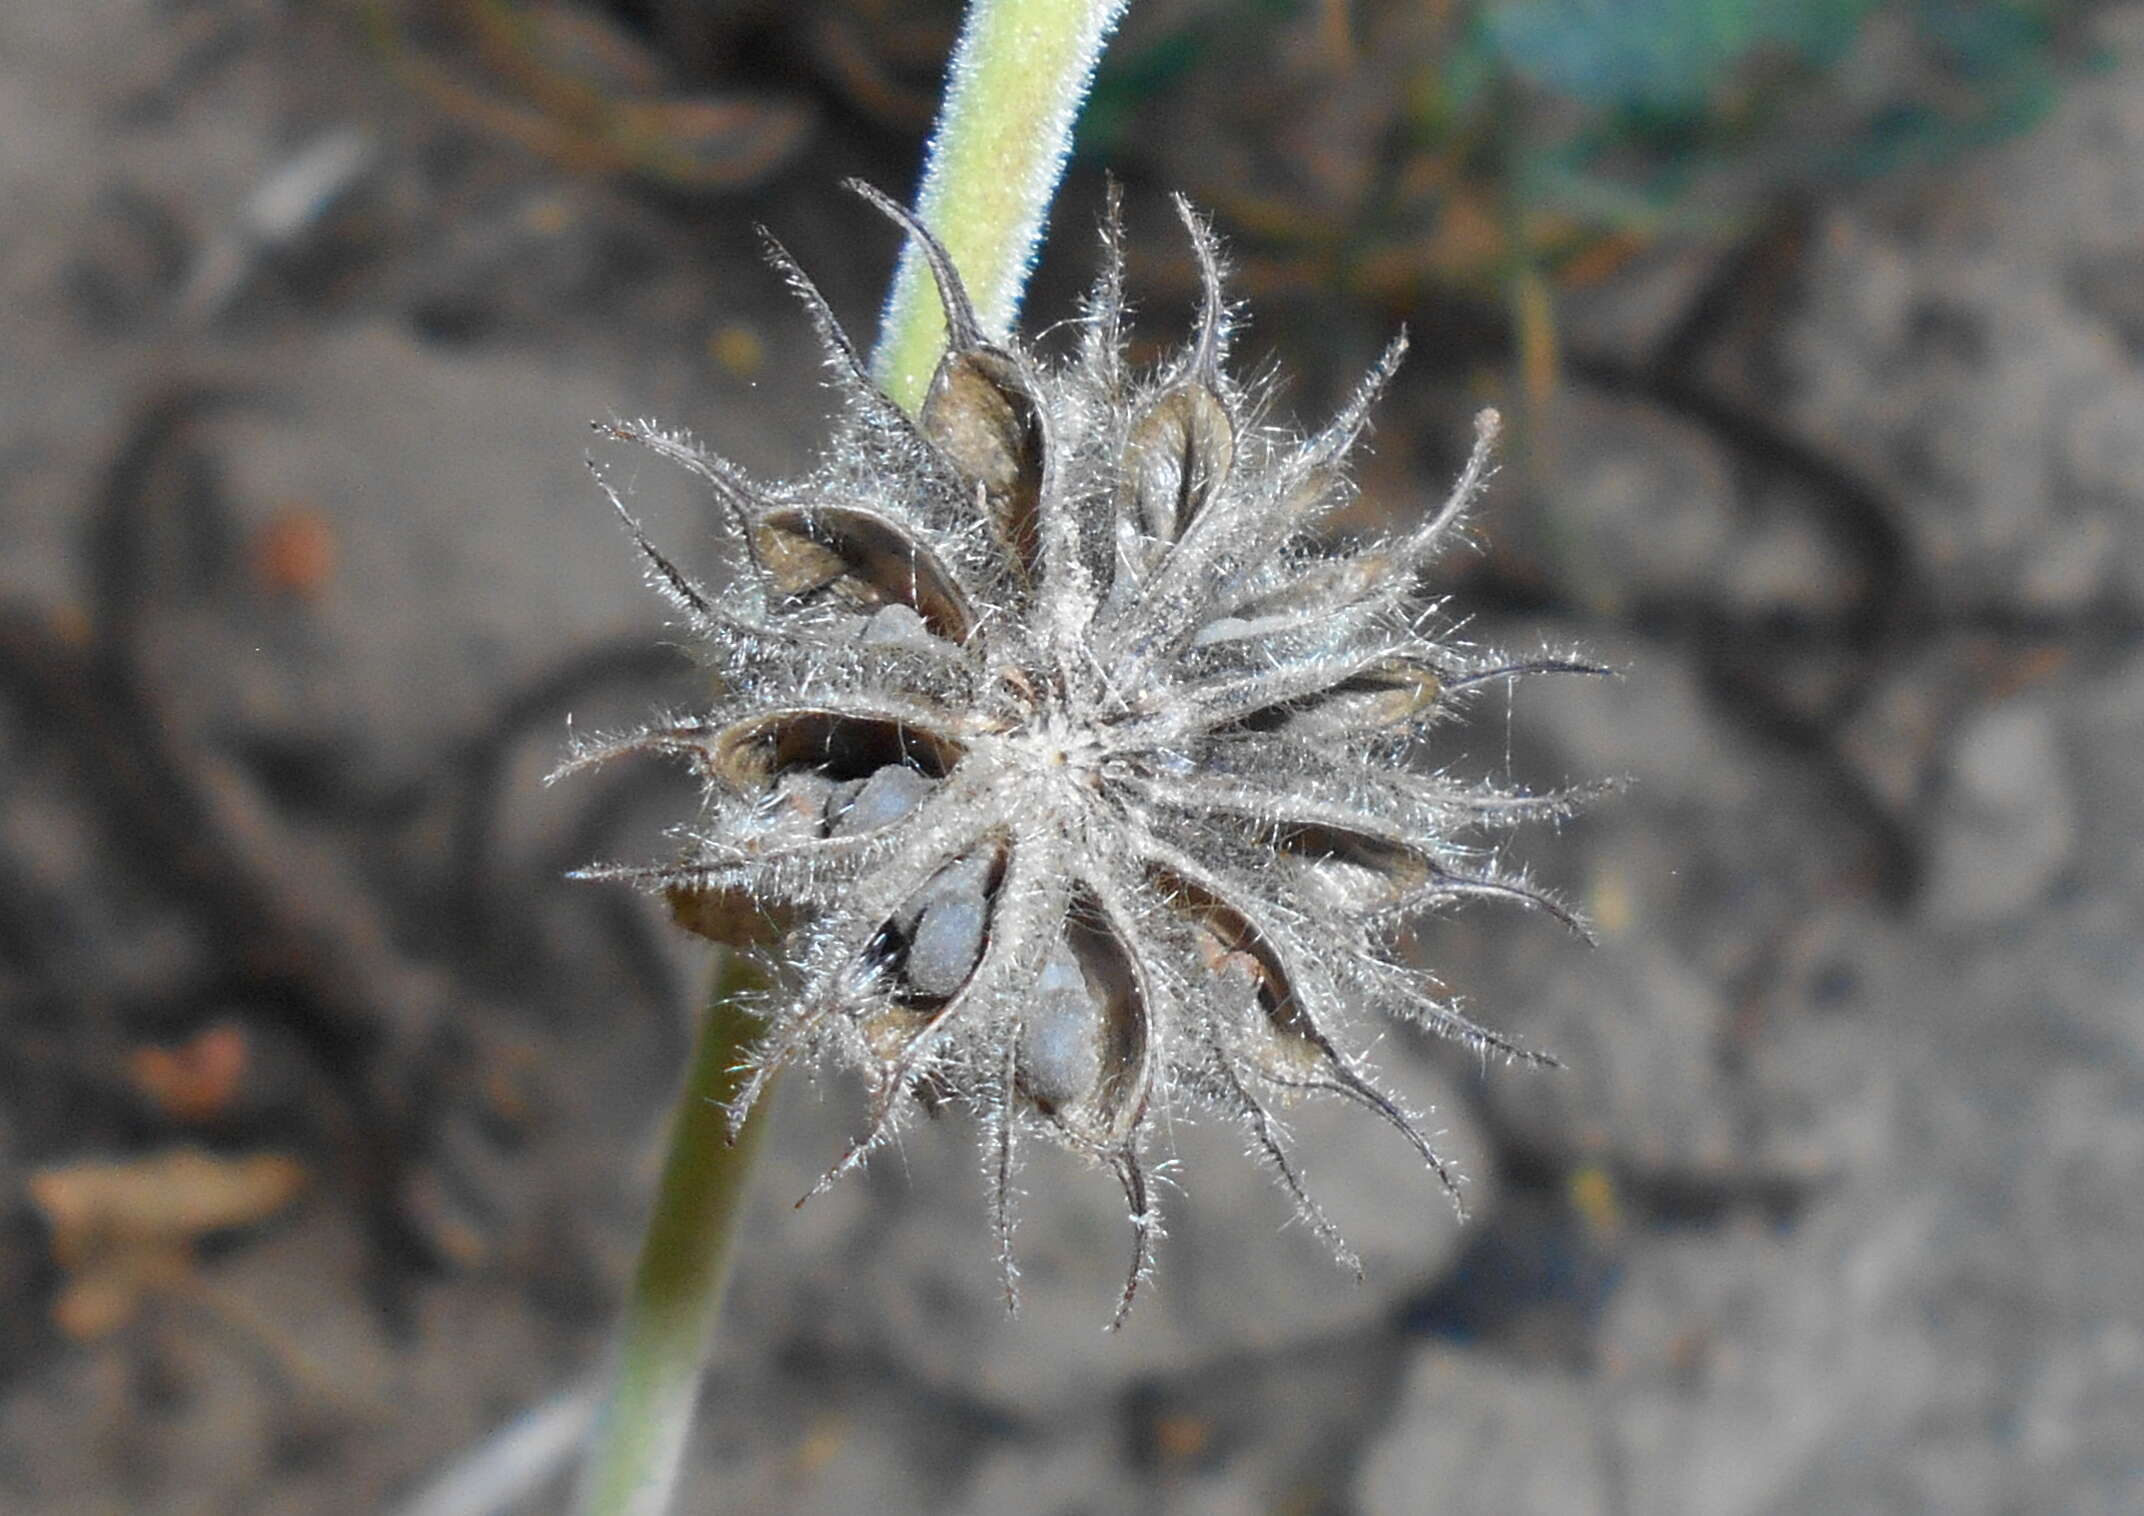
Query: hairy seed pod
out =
(1085, 777)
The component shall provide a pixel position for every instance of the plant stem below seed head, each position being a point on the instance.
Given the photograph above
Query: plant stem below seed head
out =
(1018, 75)
(639, 1437)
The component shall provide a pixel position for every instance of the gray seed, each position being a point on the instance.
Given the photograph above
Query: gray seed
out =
(881, 800)
(966, 878)
(948, 940)
(897, 625)
(1060, 1035)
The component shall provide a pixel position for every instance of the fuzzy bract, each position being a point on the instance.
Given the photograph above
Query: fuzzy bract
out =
(1084, 775)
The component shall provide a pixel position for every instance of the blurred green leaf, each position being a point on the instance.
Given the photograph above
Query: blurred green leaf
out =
(1662, 57)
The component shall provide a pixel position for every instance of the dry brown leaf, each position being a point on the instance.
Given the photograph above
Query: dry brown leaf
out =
(294, 551)
(197, 1080)
(98, 1207)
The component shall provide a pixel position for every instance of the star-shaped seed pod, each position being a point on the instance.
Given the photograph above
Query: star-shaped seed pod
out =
(1084, 775)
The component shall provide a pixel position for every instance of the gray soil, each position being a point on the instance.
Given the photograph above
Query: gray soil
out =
(1836, 1206)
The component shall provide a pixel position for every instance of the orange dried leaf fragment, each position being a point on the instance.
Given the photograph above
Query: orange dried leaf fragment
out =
(121, 1227)
(197, 1081)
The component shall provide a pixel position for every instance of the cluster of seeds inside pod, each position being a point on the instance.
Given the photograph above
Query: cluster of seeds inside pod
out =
(1084, 769)
(808, 804)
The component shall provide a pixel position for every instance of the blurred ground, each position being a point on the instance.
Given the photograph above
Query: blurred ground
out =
(327, 1107)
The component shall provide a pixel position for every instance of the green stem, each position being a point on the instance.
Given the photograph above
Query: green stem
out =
(1019, 73)
(639, 1437)
(1018, 76)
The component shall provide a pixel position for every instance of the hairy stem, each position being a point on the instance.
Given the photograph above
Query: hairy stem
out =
(639, 1437)
(1018, 76)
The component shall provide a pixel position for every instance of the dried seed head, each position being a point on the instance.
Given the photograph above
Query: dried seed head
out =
(1085, 775)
